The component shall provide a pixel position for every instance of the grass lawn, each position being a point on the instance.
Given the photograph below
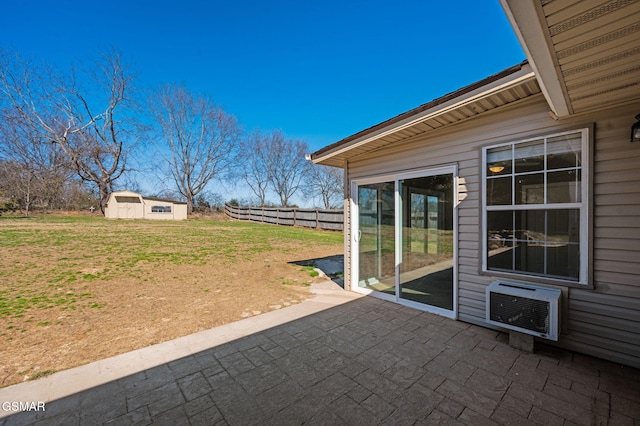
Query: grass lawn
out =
(74, 289)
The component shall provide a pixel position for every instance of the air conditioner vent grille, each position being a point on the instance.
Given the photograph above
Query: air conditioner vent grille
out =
(520, 312)
(525, 308)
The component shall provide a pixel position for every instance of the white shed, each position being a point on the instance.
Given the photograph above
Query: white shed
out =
(131, 205)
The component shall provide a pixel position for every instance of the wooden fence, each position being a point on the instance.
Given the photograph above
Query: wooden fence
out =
(309, 218)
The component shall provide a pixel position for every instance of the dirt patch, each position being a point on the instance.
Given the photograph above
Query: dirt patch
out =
(74, 292)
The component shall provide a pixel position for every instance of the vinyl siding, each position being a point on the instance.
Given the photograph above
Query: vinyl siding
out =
(602, 321)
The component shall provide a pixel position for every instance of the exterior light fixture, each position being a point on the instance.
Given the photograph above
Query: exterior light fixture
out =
(498, 169)
(635, 130)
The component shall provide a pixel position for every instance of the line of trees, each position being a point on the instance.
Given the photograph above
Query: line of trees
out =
(68, 135)
(269, 161)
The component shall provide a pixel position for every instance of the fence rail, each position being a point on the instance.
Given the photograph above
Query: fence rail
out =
(309, 218)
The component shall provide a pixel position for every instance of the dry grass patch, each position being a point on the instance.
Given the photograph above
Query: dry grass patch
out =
(77, 289)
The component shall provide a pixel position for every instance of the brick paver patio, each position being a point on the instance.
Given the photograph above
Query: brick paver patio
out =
(337, 359)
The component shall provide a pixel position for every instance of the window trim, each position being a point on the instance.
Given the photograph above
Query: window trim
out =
(585, 207)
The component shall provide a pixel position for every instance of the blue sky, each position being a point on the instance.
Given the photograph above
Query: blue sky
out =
(319, 71)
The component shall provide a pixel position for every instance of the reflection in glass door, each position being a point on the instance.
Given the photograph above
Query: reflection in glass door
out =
(404, 239)
(426, 266)
(376, 248)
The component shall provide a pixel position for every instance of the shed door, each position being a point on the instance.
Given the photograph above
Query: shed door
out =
(127, 210)
(404, 239)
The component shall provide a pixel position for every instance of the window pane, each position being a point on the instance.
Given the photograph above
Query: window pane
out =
(529, 157)
(564, 260)
(564, 187)
(563, 226)
(500, 257)
(499, 161)
(426, 262)
(530, 225)
(530, 189)
(499, 191)
(500, 225)
(161, 209)
(529, 257)
(377, 236)
(564, 151)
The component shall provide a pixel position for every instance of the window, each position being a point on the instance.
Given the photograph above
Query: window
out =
(121, 199)
(161, 209)
(535, 207)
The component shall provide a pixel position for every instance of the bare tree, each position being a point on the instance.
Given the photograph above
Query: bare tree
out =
(33, 169)
(327, 182)
(92, 127)
(287, 166)
(201, 137)
(253, 165)
(18, 183)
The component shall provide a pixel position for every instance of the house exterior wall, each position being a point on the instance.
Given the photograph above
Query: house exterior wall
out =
(604, 320)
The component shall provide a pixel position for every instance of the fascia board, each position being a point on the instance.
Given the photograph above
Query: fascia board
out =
(522, 76)
(531, 29)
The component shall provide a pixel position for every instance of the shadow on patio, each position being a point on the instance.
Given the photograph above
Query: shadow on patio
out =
(349, 360)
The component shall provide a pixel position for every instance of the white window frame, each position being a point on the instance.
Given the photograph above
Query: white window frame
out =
(584, 207)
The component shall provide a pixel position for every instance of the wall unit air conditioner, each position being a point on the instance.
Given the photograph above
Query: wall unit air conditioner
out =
(524, 308)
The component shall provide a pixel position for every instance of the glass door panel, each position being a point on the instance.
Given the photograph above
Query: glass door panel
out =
(376, 237)
(426, 259)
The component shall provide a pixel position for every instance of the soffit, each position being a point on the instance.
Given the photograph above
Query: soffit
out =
(499, 90)
(586, 53)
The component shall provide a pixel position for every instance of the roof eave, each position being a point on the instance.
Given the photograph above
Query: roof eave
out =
(527, 19)
(482, 89)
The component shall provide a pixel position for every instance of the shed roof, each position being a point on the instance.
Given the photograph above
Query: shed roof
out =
(508, 86)
(131, 194)
(164, 200)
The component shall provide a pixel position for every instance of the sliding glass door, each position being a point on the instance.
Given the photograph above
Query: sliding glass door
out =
(376, 237)
(404, 239)
(426, 263)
